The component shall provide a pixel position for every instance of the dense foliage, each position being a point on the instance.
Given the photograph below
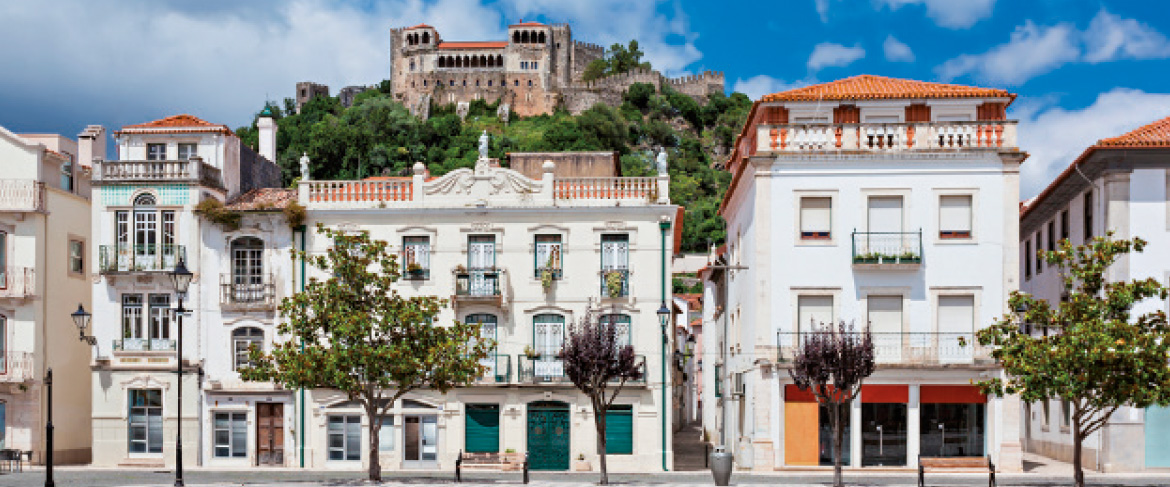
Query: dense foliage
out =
(1088, 349)
(617, 59)
(377, 136)
(354, 333)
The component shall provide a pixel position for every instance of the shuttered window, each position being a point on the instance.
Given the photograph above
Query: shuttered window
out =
(483, 428)
(956, 314)
(619, 430)
(885, 314)
(954, 215)
(885, 214)
(812, 311)
(816, 218)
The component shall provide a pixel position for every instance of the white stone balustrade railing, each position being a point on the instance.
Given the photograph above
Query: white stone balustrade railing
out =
(360, 191)
(22, 195)
(886, 137)
(17, 282)
(158, 171)
(606, 188)
(16, 366)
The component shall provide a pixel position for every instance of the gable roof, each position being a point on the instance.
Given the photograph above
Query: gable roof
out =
(263, 199)
(420, 26)
(176, 123)
(1154, 134)
(873, 87)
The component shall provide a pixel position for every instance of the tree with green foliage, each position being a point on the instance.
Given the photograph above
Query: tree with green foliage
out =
(1094, 353)
(354, 333)
(617, 59)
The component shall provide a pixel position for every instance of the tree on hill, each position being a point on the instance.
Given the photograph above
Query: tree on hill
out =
(354, 333)
(1095, 354)
(617, 59)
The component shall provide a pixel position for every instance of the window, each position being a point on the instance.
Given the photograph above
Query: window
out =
(885, 318)
(386, 434)
(416, 253)
(1047, 413)
(247, 284)
(534, 65)
(67, 174)
(621, 327)
(187, 151)
(3, 424)
(718, 381)
(1088, 219)
(160, 316)
(156, 152)
(3, 356)
(523, 64)
(816, 218)
(1065, 413)
(1039, 249)
(489, 82)
(132, 316)
(1052, 236)
(615, 262)
(619, 430)
(3, 260)
(1027, 259)
(345, 437)
(548, 334)
(516, 82)
(1064, 225)
(813, 311)
(548, 255)
(150, 243)
(243, 339)
(77, 257)
(954, 216)
(231, 435)
(452, 82)
(145, 423)
(481, 252)
(956, 326)
(529, 82)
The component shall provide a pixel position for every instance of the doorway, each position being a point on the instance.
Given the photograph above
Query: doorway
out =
(548, 435)
(270, 434)
(420, 447)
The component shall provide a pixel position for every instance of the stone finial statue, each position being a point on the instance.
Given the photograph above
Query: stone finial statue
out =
(305, 166)
(661, 162)
(483, 145)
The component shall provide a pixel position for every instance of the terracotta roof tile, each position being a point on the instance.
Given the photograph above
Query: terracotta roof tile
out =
(527, 24)
(421, 26)
(261, 199)
(183, 122)
(1155, 134)
(872, 87)
(473, 45)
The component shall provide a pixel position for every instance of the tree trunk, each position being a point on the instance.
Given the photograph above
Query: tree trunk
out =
(599, 422)
(837, 436)
(375, 462)
(1078, 471)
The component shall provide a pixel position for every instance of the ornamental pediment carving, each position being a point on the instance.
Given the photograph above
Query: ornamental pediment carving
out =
(487, 182)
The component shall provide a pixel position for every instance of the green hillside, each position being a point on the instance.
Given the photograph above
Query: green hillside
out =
(377, 136)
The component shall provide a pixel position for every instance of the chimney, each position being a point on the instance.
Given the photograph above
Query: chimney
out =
(91, 144)
(267, 128)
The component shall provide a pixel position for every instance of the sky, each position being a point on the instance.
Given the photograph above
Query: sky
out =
(1084, 70)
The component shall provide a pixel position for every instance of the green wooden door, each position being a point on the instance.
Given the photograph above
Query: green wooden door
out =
(483, 428)
(619, 430)
(548, 436)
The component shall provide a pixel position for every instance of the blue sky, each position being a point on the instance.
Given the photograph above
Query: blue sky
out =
(1083, 69)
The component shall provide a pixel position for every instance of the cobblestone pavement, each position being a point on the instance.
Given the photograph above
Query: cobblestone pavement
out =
(100, 477)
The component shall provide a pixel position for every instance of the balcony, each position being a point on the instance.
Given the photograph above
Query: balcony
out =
(615, 283)
(16, 367)
(22, 195)
(884, 137)
(907, 348)
(887, 250)
(636, 189)
(17, 282)
(175, 171)
(240, 296)
(478, 284)
(542, 370)
(139, 258)
(499, 369)
(144, 345)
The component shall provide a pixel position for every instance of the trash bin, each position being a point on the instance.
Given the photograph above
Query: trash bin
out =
(720, 461)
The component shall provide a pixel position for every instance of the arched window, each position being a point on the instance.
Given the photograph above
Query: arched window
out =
(144, 199)
(466, 62)
(243, 339)
(442, 62)
(529, 82)
(548, 335)
(524, 38)
(474, 62)
(540, 38)
(483, 60)
(426, 38)
(458, 62)
(516, 37)
(247, 282)
(412, 65)
(621, 325)
(499, 59)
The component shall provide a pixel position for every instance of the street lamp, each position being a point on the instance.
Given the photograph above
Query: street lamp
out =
(181, 279)
(48, 433)
(81, 319)
(663, 318)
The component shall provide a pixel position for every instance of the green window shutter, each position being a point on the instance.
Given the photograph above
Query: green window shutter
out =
(619, 430)
(483, 428)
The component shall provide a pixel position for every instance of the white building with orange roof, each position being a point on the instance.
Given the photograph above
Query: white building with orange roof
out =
(885, 203)
(44, 276)
(1122, 185)
(144, 225)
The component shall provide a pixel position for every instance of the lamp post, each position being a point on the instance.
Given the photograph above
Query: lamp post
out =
(181, 279)
(81, 319)
(49, 433)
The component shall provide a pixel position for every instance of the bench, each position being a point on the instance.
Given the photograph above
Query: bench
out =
(10, 460)
(955, 463)
(502, 461)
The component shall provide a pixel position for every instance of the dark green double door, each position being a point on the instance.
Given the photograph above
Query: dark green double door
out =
(548, 436)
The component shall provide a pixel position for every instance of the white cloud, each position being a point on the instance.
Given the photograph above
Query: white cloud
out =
(897, 51)
(952, 14)
(1035, 50)
(1055, 136)
(1111, 37)
(822, 9)
(830, 54)
(762, 84)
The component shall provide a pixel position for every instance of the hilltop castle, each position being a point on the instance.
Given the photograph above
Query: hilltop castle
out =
(535, 70)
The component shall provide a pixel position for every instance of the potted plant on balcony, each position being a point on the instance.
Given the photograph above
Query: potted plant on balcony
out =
(582, 465)
(414, 270)
(547, 277)
(614, 282)
(460, 269)
(531, 353)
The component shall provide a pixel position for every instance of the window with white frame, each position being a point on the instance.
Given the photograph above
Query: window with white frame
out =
(3, 354)
(416, 254)
(621, 327)
(145, 421)
(243, 339)
(156, 152)
(67, 174)
(231, 435)
(548, 335)
(132, 319)
(247, 284)
(160, 317)
(548, 255)
(813, 311)
(345, 437)
(145, 236)
(954, 216)
(76, 256)
(816, 216)
(885, 314)
(386, 434)
(187, 151)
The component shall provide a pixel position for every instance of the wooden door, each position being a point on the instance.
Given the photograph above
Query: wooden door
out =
(270, 434)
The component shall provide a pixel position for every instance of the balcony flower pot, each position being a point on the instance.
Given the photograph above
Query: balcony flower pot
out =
(613, 284)
(531, 353)
(720, 460)
(546, 279)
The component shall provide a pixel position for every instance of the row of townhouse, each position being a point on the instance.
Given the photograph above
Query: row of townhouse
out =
(479, 237)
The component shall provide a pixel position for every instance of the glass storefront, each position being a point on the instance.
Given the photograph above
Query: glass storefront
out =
(952, 430)
(883, 434)
(826, 436)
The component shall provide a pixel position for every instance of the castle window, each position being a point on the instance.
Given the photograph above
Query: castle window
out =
(489, 82)
(424, 83)
(524, 37)
(476, 82)
(541, 38)
(529, 82)
(516, 36)
(499, 60)
(426, 38)
(523, 64)
(452, 82)
(464, 82)
(517, 83)
(534, 65)
(412, 65)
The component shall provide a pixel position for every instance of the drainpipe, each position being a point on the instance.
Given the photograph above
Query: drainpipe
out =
(301, 410)
(664, 225)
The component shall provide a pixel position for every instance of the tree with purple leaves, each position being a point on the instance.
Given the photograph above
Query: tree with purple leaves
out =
(832, 362)
(599, 365)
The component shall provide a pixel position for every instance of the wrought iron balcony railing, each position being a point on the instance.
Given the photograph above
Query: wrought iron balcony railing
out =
(478, 283)
(552, 370)
(144, 345)
(499, 369)
(887, 248)
(247, 292)
(906, 348)
(139, 258)
(615, 282)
